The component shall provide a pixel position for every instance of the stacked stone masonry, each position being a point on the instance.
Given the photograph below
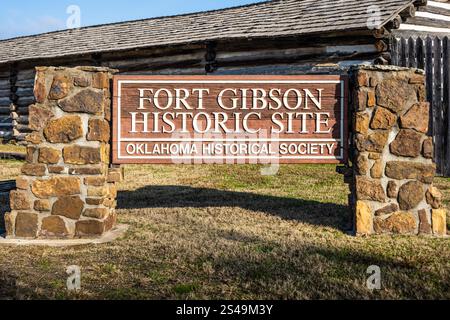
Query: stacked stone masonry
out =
(392, 189)
(67, 189)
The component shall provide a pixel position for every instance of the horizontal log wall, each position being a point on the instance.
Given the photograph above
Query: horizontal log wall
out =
(432, 19)
(319, 55)
(24, 98)
(5, 102)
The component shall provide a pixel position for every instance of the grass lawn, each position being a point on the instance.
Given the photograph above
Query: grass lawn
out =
(227, 232)
(11, 148)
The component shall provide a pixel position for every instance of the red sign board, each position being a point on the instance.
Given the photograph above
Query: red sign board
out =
(230, 119)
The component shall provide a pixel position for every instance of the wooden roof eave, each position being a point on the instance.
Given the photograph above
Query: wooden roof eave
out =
(397, 18)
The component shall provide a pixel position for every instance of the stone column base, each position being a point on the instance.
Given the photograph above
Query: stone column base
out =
(392, 186)
(66, 189)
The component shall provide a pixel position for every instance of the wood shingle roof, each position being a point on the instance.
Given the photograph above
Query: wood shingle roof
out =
(267, 19)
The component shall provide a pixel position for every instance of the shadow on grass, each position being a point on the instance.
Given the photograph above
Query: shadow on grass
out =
(264, 269)
(307, 211)
(8, 288)
(316, 272)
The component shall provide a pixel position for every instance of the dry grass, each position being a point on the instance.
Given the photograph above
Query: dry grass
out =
(11, 148)
(212, 232)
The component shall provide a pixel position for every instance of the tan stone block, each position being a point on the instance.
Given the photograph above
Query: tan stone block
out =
(42, 205)
(26, 225)
(34, 138)
(54, 227)
(110, 221)
(410, 170)
(68, 206)
(89, 228)
(362, 123)
(49, 155)
(100, 80)
(377, 170)
(36, 170)
(371, 99)
(360, 142)
(369, 189)
(424, 223)
(391, 208)
(97, 213)
(410, 195)
(56, 187)
(104, 151)
(82, 81)
(407, 144)
(64, 130)
(398, 223)
(383, 119)
(56, 169)
(362, 79)
(95, 201)
(110, 203)
(362, 164)
(417, 118)
(364, 219)
(428, 148)
(439, 221)
(19, 200)
(76, 154)
(40, 89)
(97, 191)
(417, 79)
(107, 110)
(112, 190)
(114, 176)
(434, 197)
(39, 117)
(396, 94)
(31, 151)
(61, 86)
(86, 101)
(95, 181)
(22, 183)
(374, 156)
(375, 142)
(360, 98)
(392, 189)
(99, 130)
(10, 223)
(421, 93)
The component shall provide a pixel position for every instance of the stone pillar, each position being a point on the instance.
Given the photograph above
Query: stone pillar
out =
(393, 169)
(66, 189)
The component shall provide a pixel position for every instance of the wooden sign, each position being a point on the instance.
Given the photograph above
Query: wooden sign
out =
(230, 119)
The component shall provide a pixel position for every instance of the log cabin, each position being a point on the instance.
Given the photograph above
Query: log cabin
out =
(271, 37)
